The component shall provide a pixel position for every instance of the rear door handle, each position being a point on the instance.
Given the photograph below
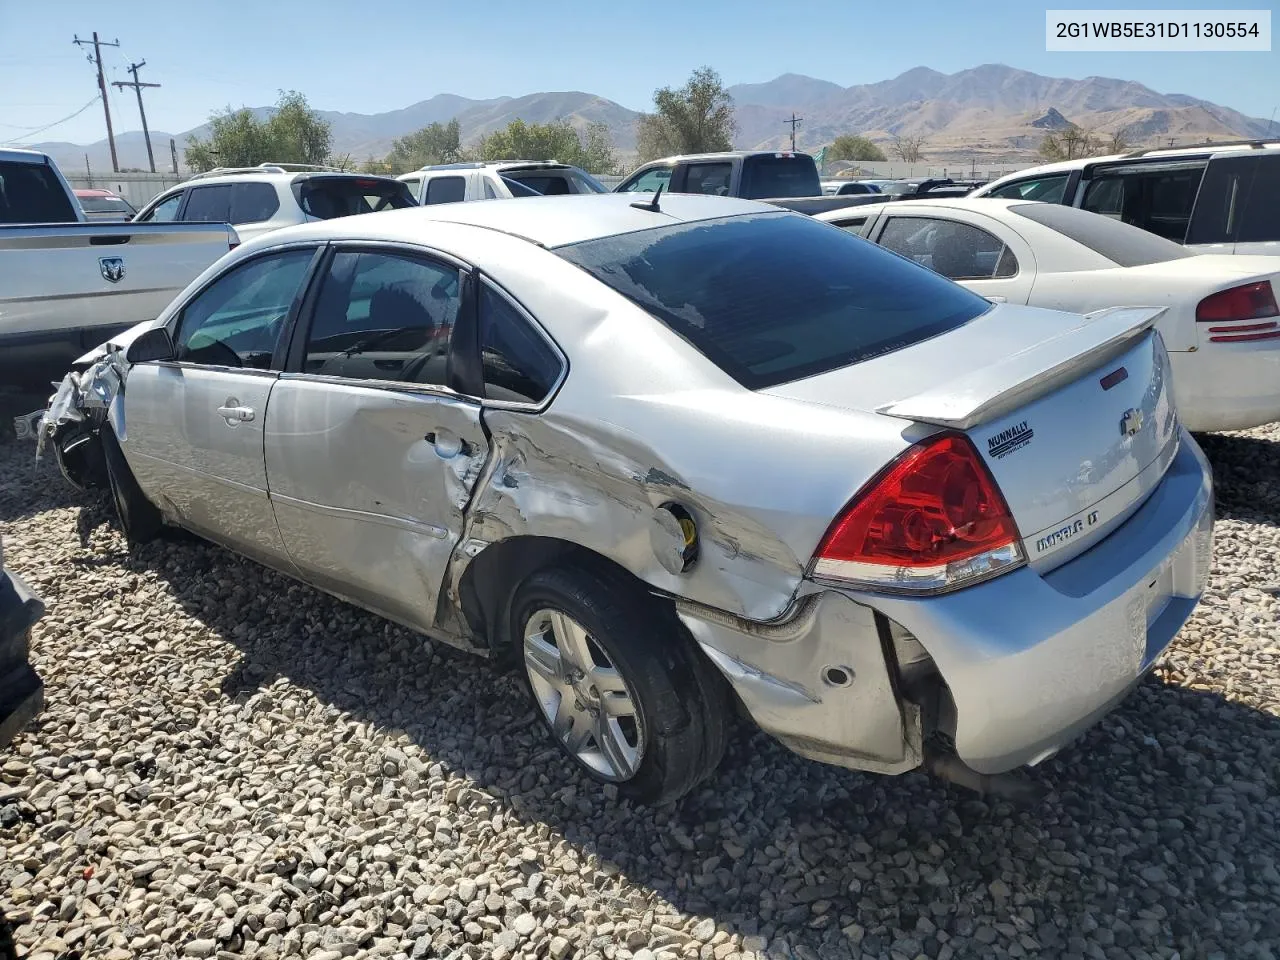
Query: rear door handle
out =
(236, 414)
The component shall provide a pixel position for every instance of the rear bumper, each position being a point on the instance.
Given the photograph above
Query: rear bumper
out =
(1033, 660)
(1227, 386)
(21, 690)
(1030, 660)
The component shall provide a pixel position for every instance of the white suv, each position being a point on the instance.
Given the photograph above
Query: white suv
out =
(451, 182)
(256, 200)
(1216, 198)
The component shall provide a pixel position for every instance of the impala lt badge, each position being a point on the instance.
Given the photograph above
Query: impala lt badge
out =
(112, 268)
(1131, 422)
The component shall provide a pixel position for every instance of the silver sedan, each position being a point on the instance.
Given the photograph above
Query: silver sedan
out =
(673, 453)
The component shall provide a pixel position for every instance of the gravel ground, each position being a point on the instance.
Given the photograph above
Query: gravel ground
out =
(234, 765)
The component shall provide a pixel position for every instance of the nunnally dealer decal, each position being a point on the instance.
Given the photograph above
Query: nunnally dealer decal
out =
(1008, 440)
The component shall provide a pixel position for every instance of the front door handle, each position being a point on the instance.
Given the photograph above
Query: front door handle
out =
(233, 413)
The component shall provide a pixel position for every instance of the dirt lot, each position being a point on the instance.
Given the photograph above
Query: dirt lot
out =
(234, 765)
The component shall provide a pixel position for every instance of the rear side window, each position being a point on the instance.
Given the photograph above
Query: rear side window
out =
(959, 251)
(775, 297)
(253, 202)
(32, 193)
(1156, 199)
(1222, 201)
(329, 197)
(445, 190)
(518, 364)
(1044, 189)
(1260, 221)
(211, 204)
(1118, 242)
(782, 176)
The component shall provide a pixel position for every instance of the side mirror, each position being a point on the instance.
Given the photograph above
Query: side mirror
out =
(152, 345)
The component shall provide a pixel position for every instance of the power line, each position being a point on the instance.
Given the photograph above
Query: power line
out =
(795, 122)
(137, 88)
(96, 60)
(32, 131)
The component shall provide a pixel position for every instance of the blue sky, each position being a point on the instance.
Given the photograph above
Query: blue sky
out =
(389, 54)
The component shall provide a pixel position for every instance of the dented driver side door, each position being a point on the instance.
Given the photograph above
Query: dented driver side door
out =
(371, 458)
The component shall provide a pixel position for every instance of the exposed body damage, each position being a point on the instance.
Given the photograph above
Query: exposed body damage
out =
(703, 511)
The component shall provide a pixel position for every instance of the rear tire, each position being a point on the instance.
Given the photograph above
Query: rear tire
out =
(619, 684)
(138, 516)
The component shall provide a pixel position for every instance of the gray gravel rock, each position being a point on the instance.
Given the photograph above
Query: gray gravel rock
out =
(233, 765)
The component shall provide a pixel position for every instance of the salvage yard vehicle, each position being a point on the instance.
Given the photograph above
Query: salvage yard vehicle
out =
(675, 452)
(1221, 326)
(104, 205)
(21, 690)
(1216, 198)
(256, 200)
(497, 180)
(65, 285)
(752, 174)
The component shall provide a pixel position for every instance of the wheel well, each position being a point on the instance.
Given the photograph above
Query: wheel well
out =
(490, 581)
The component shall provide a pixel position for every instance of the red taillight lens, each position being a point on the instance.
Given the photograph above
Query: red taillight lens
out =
(932, 521)
(1253, 301)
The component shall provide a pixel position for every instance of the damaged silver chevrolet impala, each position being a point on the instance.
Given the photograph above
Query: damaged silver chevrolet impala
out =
(675, 456)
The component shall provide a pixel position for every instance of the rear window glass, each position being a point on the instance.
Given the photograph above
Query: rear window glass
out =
(795, 176)
(775, 297)
(1118, 242)
(105, 205)
(445, 190)
(328, 197)
(32, 193)
(557, 181)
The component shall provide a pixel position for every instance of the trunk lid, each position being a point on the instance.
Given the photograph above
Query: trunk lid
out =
(1072, 415)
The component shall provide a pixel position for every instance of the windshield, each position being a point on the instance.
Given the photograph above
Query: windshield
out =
(780, 176)
(775, 297)
(32, 193)
(556, 181)
(328, 197)
(1118, 242)
(106, 205)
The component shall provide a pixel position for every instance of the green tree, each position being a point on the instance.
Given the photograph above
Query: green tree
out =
(697, 118)
(851, 147)
(551, 141)
(293, 133)
(436, 143)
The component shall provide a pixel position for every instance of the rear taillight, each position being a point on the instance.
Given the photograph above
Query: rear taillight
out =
(1237, 307)
(934, 520)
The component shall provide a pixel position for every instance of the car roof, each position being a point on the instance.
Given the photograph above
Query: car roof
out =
(1138, 157)
(727, 154)
(18, 155)
(496, 165)
(546, 221)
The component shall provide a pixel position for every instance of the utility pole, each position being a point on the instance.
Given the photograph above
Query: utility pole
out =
(795, 122)
(173, 152)
(137, 88)
(96, 60)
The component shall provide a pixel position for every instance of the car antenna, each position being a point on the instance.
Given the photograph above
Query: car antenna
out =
(650, 205)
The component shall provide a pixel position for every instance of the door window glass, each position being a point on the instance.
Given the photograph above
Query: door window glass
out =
(1044, 189)
(384, 316)
(210, 204)
(1156, 200)
(238, 319)
(163, 212)
(960, 251)
(518, 363)
(708, 178)
(856, 225)
(445, 190)
(253, 202)
(1260, 219)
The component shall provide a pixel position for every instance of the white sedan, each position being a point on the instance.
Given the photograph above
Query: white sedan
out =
(1222, 325)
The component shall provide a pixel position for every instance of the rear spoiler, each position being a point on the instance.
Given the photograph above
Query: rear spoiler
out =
(1012, 381)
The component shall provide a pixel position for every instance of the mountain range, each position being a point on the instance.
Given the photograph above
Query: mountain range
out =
(993, 111)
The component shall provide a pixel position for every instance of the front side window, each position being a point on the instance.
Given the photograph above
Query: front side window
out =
(518, 364)
(166, 211)
(774, 297)
(211, 204)
(958, 251)
(384, 316)
(237, 320)
(253, 202)
(445, 190)
(1045, 189)
(649, 181)
(708, 178)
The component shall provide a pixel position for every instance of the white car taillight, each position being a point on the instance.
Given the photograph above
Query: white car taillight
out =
(1246, 308)
(932, 521)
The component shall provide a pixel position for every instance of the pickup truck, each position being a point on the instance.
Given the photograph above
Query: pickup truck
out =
(67, 285)
(496, 180)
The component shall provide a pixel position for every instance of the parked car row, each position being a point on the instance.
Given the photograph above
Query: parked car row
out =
(563, 432)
